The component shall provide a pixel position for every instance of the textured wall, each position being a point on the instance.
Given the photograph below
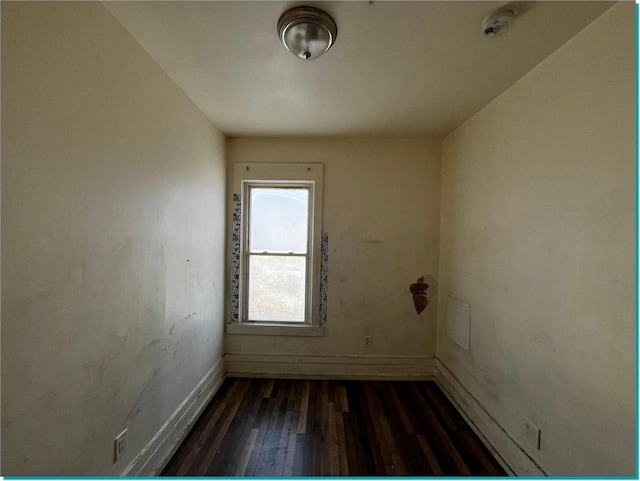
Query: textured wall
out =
(538, 236)
(112, 241)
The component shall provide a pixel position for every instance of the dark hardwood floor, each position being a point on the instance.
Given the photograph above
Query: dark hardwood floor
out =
(285, 427)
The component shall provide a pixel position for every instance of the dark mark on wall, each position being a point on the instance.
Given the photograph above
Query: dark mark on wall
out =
(186, 318)
(419, 292)
(135, 410)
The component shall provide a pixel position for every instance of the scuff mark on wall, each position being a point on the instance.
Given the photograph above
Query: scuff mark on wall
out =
(184, 319)
(136, 409)
(370, 243)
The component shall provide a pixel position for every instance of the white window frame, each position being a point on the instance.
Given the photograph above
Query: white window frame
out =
(247, 175)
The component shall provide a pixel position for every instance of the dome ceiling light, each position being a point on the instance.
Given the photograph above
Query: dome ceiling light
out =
(307, 32)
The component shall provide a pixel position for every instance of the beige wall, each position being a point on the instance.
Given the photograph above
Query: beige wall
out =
(382, 212)
(538, 236)
(112, 241)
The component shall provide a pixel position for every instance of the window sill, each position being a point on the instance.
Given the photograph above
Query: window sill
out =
(273, 330)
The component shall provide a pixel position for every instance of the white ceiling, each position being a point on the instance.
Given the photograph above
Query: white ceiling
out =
(409, 69)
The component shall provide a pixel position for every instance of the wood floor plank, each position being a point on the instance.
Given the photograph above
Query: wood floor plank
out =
(189, 462)
(261, 424)
(405, 444)
(334, 458)
(232, 450)
(433, 462)
(269, 390)
(475, 452)
(442, 435)
(314, 433)
(290, 456)
(344, 402)
(342, 445)
(270, 463)
(369, 428)
(212, 449)
(324, 448)
(246, 453)
(276, 427)
(406, 422)
(423, 429)
(376, 415)
(304, 408)
(397, 466)
(360, 454)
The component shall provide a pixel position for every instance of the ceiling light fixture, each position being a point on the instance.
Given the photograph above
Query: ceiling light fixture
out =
(307, 32)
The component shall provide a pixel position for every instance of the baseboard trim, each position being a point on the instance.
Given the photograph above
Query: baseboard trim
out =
(504, 448)
(155, 455)
(330, 367)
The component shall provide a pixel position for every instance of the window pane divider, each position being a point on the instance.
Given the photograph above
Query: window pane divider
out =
(276, 254)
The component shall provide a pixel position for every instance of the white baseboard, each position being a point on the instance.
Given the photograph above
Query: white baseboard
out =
(162, 446)
(158, 452)
(504, 448)
(330, 367)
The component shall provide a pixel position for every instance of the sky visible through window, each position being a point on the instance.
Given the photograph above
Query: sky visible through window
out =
(279, 220)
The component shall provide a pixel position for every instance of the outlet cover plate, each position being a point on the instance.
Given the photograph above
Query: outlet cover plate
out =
(532, 433)
(120, 445)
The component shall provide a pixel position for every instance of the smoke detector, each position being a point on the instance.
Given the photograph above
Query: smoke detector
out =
(307, 32)
(498, 22)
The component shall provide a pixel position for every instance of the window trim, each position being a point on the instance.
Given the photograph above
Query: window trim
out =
(246, 175)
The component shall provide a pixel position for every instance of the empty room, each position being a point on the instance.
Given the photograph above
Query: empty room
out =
(318, 239)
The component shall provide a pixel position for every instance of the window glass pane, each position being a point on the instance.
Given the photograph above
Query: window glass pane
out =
(277, 288)
(279, 220)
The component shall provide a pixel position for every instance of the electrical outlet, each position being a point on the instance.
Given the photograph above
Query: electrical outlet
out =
(120, 445)
(532, 433)
(367, 341)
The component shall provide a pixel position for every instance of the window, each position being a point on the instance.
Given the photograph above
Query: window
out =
(279, 230)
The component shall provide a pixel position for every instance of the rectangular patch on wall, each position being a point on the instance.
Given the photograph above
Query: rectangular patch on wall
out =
(458, 322)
